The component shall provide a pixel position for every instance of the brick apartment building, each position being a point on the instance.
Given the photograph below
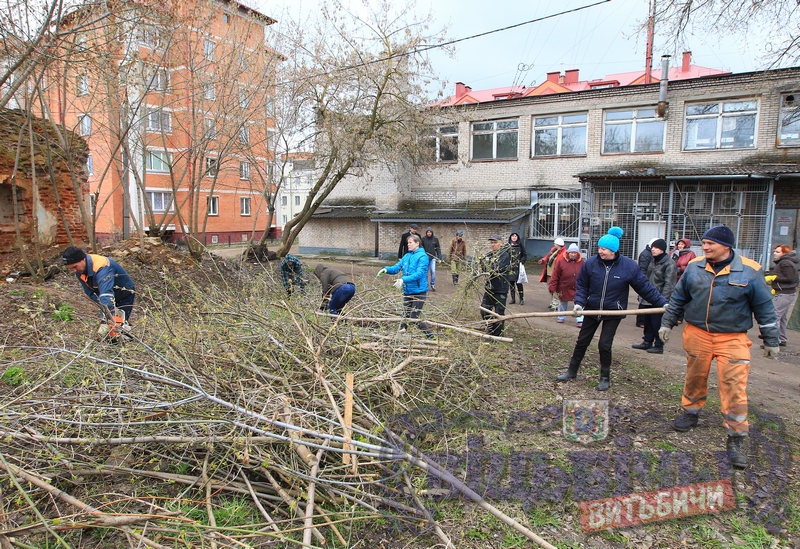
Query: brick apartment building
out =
(172, 101)
(721, 148)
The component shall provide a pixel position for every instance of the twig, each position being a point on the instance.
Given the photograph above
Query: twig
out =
(308, 523)
(396, 370)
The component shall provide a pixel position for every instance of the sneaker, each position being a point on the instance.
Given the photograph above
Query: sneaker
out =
(644, 345)
(560, 321)
(782, 343)
(656, 350)
(685, 422)
(431, 337)
(433, 288)
(737, 453)
(579, 324)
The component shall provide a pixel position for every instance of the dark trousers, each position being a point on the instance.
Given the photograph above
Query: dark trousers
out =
(651, 325)
(516, 285)
(412, 308)
(340, 297)
(590, 325)
(494, 300)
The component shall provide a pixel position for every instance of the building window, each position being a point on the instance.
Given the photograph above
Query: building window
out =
(82, 84)
(297, 200)
(284, 201)
(632, 130)
(789, 123)
(556, 214)
(244, 98)
(213, 205)
(226, 18)
(244, 170)
(159, 120)
(244, 205)
(210, 128)
(559, 135)
(214, 239)
(85, 124)
(211, 166)
(209, 92)
(148, 36)
(721, 125)
(158, 161)
(285, 220)
(244, 135)
(160, 201)
(89, 165)
(440, 145)
(160, 80)
(208, 50)
(494, 140)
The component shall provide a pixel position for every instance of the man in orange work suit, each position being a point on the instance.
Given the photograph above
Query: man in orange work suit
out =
(719, 294)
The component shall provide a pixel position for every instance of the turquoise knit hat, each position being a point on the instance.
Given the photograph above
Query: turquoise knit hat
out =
(610, 241)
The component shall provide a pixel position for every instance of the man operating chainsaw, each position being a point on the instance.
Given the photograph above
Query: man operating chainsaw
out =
(106, 283)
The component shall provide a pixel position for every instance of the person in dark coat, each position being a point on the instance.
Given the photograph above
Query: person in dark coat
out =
(412, 229)
(518, 256)
(431, 245)
(564, 280)
(661, 274)
(784, 285)
(337, 288)
(495, 265)
(603, 284)
(645, 259)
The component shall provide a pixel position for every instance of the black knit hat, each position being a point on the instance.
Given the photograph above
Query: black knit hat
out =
(659, 243)
(72, 255)
(721, 235)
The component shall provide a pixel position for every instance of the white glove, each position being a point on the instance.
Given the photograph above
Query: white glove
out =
(398, 283)
(103, 330)
(663, 333)
(578, 308)
(381, 273)
(771, 352)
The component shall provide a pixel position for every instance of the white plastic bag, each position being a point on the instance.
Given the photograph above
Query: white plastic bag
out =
(523, 276)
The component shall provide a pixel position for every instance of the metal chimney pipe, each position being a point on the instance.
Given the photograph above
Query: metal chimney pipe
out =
(661, 110)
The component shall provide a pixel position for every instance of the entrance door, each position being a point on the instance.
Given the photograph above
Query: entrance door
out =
(647, 231)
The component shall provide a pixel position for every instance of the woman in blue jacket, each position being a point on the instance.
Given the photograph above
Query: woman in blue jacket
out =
(603, 284)
(414, 282)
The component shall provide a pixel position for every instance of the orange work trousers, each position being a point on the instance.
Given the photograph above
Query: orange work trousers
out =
(732, 352)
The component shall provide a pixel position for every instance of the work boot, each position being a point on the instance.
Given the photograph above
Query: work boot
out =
(685, 422)
(737, 451)
(571, 373)
(605, 375)
(656, 350)
(512, 301)
(521, 301)
(455, 280)
(644, 345)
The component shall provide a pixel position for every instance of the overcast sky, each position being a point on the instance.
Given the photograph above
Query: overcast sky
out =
(599, 40)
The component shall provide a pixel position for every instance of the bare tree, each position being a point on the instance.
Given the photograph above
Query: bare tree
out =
(775, 22)
(353, 92)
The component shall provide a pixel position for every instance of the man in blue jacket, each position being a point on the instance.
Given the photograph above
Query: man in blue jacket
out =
(414, 282)
(718, 294)
(603, 284)
(105, 282)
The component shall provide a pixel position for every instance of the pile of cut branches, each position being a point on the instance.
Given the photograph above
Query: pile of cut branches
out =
(233, 416)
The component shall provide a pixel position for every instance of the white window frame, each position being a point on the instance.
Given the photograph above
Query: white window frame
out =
(244, 135)
(212, 166)
(213, 205)
(160, 80)
(285, 219)
(244, 97)
(82, 84)
(209, 92)
(433, 144)
(284, 200)
(495, 128)
(89, 164)
(297, 200)
(244, 206)
(639, 117)
(789, 111)
(84, 125)
(157, 200)
(210, 128)
(208, 49)
(226, 18)
(158, 161)
(726, 114)
(159, 120)
(561, 122)
(148, 36)
(244, 170)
